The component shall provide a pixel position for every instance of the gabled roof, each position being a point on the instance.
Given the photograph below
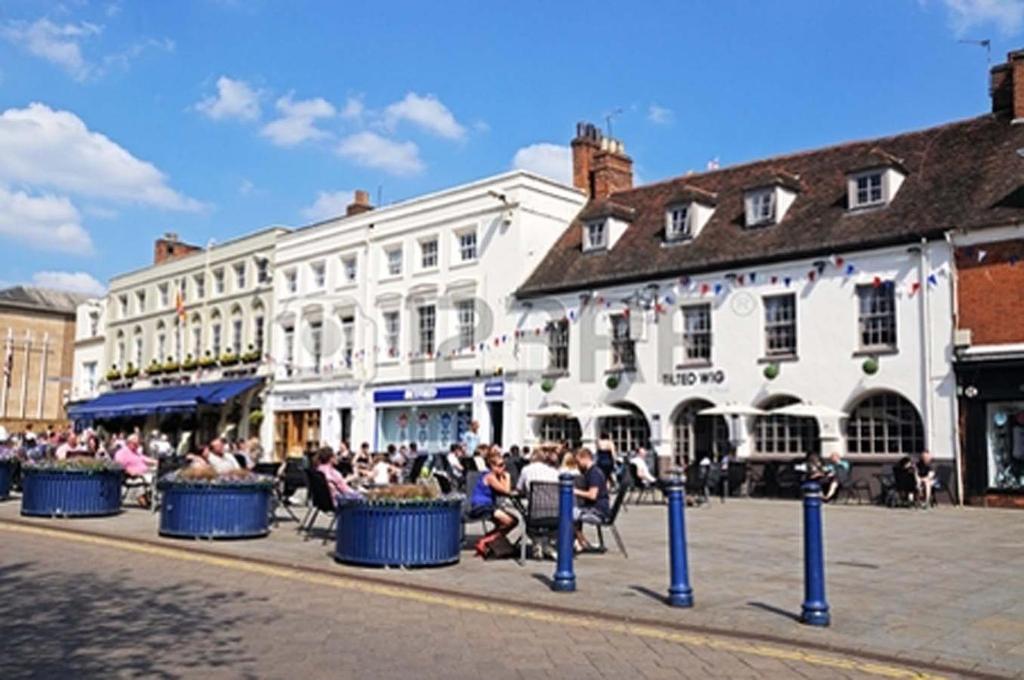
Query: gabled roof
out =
(965, 174)
(41, 300)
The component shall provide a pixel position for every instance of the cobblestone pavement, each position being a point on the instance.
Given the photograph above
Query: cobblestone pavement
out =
(939, 587)
(83, 607)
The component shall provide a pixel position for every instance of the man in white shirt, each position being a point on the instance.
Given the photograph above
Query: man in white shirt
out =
(541, 468)
(643, 472)
(220, 459)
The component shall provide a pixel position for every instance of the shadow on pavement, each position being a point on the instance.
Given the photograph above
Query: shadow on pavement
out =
(775, 610)
(85, 625)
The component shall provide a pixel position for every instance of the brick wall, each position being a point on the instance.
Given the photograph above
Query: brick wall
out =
(990, 292)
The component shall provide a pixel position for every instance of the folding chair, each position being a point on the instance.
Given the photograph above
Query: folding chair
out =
(322, 501)
(540, 521)
(609, 523)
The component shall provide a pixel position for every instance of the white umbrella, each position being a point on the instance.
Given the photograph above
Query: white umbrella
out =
(804, 410)
(551, 411)
(732, 410)
(603, 411)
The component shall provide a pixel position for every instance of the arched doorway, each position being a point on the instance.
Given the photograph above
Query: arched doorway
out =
(628, 432)
(884, 423)
(696, 437)
(786, 435)
(561, 429)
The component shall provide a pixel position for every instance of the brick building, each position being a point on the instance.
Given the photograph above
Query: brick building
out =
(37, 327)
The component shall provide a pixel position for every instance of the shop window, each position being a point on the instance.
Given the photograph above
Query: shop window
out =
(884, 423)
(554, 429)
(696, 437)
(628, 432)
(788, 435)
(1006, 446)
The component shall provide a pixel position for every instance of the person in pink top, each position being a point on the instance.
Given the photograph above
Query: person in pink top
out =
(326, 459)
(135, 463)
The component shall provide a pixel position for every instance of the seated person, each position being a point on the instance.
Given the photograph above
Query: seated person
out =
(569, 464)
(814, 469)
(220, 459)
(836, 471)
(539, 469)
(925, 478)
(483, 500)
(905, 480)
(382, 472)
(454, 462)
(591, 494)
(326, 465)
(362, 461)
(135, 463)
(643, 472)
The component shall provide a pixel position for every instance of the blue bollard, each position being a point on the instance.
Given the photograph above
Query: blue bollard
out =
(815, 607)
(565, 578)
(680, 594)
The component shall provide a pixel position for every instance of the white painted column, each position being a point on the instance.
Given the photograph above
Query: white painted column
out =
(42, 374)
(8, 371)
(24, 373)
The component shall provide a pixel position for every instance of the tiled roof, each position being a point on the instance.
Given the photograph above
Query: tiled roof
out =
(966, 174)
(41, 299)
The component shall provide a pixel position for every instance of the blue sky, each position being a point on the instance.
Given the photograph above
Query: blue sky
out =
(211, 118)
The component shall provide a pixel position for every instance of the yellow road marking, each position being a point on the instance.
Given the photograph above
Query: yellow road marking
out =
(466, 604)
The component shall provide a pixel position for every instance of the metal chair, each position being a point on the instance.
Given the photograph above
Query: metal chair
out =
(640, 486)
(609, 523)
(322, 501)
(540, 521)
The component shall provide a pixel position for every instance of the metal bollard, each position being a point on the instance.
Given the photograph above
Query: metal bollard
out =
(680, 594)
(565, 578)
(815, 607)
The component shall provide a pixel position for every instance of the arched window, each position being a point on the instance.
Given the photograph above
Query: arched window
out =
(137, 348)
(196, 327)
(628, 432)
(216, 339)
(785, 434)
(236, 330)
(121, 350)
(259, 327)
(884, 422)
(161, 342)
(558, 429)
(695, 437)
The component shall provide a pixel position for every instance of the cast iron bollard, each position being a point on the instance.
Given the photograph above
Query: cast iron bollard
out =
(815, 608)
(565, 579)
(680, 594)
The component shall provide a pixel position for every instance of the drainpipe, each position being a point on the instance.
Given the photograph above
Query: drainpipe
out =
(954, 408)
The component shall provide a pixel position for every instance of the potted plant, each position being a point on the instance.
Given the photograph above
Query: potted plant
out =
(251, 356)
(870, 366)
(189, 363)
(207, 360)
(76, 487)
(8, 458)
(154, 368)
(255, 419)
(771, 371)
(611, 382)
(113, 374)
(547, 384)
(409, 525)
(229, 358)
(171, 365)
(196, 502)
(130, 372)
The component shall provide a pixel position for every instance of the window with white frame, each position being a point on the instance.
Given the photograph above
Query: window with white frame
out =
(867, 189)
(677, 223)
(558, 345)
(426, 318)
(262, 270)
(877, 315)
(163, 290)
(319, 272)
(291, 281)
(89, 368)
(623, 345)
(428, 254)
(236, 335)
(122, 303)
(349, 268)
(790, 435)
(240, 271)
(140, 301)
(348, 340)
(394, 256)
(780, 325)
(259, 329)
(218, 282)
(216, 341)
(465, 312)
(467, 245)
(760, 207)
(197, 337)
(199, 285)
(138, 348)
(316, 344)
(161, 347)
(697, 333)
(595, 235)
(94, 324)
(884, 423)
(392, 333)
(288, 337)
(121, 351)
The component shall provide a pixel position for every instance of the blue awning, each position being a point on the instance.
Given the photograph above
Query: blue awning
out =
(178, 399)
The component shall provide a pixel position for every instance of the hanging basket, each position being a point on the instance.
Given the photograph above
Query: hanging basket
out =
(771, 371)
(547, 384)
(870, 366)
(611, 382)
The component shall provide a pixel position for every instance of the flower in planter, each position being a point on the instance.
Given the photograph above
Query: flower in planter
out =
(870, 366)
(611, 382)
(80, 464)
(171, 365)
(207, 360)
(113, 374)
(155, 368)
(771, 371)
(204, 475)
(130, 371)
(547, 384)
(228, 359)
(189, 363)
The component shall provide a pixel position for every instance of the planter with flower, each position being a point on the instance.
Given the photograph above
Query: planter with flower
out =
(409, 525)
(154, 368)
(131, 372)
(113, 375)
(189, 363)
(199, 503)
(8, 460)
(76, 487)
(207, 360)
(251, 356)
(229, 359)
(171, 365)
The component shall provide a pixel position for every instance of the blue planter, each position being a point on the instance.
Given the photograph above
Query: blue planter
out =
(70, 493)
(6, 475)
(195, 510)
(408, 534)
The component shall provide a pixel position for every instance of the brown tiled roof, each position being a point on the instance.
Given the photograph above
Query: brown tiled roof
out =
(965, 174)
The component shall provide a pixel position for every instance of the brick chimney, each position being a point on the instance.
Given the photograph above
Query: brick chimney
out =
(170, 247)
(600, 165)
(1007, 85)
(360, 203)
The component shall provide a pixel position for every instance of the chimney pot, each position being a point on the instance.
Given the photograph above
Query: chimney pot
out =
(1006, 85)
(360, 203)
(600, 166)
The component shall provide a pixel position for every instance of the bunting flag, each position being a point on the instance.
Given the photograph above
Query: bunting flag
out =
(914, 287)
(704, 288)
(787, 281)
(819, 267)
(849, 270)
(718, 288)
(876, 282)
(739, 279)
(774, 280)
(933, 280)
(982, 254)
(753, 277)
(572, 315)
(684, 280)
(837, 260)
(810, 275)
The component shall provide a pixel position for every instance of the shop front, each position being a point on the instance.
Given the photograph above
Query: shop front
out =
(992, 431)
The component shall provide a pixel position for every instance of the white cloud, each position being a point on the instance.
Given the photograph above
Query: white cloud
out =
(354, 108)
(427, 113)
(374, 151)
(549, 160)
(44, 222)
(56, 43)
(297, 122)
(73, 282)
(136, 49)
(328, 204)
(1006, 15)
(659, 115)
(234, 99)
(51, 149)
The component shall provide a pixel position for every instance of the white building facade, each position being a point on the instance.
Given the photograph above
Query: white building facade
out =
(90, 364)
(393, 325)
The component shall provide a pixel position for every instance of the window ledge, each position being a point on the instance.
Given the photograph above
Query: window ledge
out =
(881, 351)
(778, 359)
(616, 370)
(389, 278)
(425, 272)
(555, 373)
(678, 241)
(700, 363)
(464, 263)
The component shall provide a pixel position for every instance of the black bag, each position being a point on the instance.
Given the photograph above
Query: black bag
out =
(499, 548)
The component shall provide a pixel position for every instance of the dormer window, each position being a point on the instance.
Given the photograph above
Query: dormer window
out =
(760, 207)
(677, 223)
(873, 187)
(595, 235)
(868, 190)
